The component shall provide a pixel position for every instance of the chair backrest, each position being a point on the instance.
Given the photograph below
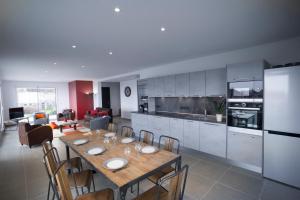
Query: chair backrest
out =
(51, 159)
(177, 182)
(147, 137)
(112, 127)
(170, 144)
(127, 131)
(62, 181)
(99, 123)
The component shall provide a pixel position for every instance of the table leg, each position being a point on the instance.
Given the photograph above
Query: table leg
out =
(61, 129)
(68, 152)
(75, 127)
(123, 191)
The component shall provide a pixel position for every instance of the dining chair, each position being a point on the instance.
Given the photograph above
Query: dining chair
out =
(146, 137)
(175, 188)
(64, 191)
(127, 131)
(112, 127)
(169, 144)
(82, 178)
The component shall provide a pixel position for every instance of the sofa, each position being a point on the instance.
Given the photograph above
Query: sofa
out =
(98, 112)
(66, 114)
(34, 134)
(40, 118)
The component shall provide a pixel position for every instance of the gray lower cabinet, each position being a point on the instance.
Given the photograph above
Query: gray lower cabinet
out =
(160, 126)
(176, 129)
(197, 83)
(213, 138)
(245, 148)
(246, 71)
(182, 85)
(139, 122)
(191, 134)
(169, 86)
(215, 82)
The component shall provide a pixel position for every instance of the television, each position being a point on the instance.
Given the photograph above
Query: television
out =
(16, 112)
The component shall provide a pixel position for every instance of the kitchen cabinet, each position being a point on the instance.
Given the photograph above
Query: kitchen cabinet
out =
(159, 87)
(139, 122)
(213, 138)
(197, 83)
(246, 71)
(182, 85)
(215, 82)
(245, 148)
(191, 134)
(169, 86)
(160, 126)
(176, 129)
(149, 87)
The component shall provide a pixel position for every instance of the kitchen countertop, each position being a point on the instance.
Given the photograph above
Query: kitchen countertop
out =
(196, 117)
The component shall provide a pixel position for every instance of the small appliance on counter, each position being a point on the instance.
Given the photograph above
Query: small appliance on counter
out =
(143, 104)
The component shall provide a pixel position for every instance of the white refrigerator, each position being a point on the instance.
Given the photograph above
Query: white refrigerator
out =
(282, 125)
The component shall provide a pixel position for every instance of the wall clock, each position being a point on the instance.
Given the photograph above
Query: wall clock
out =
(127, 91)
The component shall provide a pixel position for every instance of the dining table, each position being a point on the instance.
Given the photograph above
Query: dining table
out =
(139, 166)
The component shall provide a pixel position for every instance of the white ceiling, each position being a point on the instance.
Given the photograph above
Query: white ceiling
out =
(35, 34)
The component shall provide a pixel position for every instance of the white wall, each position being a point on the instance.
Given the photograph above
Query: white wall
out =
(115, 99)
(9, 93)
(128, 104)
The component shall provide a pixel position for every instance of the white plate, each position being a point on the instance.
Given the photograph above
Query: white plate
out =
(115, 163)
(80, 141)
(149, 149)
(96, 150)
(84, 130)
(111, 134)
(127, 140)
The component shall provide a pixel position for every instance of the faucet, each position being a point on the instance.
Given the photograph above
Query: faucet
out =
(205, 113)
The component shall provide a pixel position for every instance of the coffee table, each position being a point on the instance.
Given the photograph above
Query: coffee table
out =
(71, 123)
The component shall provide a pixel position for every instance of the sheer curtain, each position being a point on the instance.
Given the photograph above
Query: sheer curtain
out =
(1, 112)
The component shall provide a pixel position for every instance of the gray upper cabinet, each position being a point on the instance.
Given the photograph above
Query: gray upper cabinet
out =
(216, 82)
(169, 86)
(159, 87)
(149, 87)
(245, 71)
(197, 83)
(182, 85)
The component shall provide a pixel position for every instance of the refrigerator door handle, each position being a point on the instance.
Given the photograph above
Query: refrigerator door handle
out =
(284, 133)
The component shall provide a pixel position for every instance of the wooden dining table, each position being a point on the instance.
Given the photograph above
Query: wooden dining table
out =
(139, 167)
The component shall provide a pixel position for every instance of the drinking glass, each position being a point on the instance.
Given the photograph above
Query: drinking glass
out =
(127, 152)
(114, 139)
(98, 134)
(106, 142)
(138, 148)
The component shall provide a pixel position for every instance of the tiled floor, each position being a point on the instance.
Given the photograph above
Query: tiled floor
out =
(22, 176)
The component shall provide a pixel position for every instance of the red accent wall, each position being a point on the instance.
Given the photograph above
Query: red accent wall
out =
(81, 97)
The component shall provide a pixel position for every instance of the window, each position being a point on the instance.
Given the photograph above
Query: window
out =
(37, 100)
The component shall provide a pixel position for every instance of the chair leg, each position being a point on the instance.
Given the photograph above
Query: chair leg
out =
(82, 190)
(93, 183)
(48, 194)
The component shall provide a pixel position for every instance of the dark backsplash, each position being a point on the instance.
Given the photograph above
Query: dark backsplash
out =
(193, 105)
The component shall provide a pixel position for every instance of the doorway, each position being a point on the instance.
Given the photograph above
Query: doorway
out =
(105, 97)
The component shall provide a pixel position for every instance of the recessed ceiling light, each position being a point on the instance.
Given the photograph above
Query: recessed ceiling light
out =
(46, 71)
(162, 29)
(83, 66)
(74, 46)
(117, 9)
(54, 63)
(110, 53)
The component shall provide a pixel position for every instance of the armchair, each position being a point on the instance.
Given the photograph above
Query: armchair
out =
(67, 114)
(34, 134)
(99, 123)
(40, 118)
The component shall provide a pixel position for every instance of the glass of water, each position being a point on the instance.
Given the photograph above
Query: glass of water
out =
(138, 148)
(127, 152)
(106, 142)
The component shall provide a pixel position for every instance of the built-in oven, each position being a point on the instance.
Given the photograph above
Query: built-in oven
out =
(239, 91)
(245, 115)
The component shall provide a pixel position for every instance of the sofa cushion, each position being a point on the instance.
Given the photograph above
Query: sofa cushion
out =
(94, 112)
(53, 125)
(40, 116)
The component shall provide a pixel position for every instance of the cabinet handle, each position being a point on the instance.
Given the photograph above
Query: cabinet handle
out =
(212, 124)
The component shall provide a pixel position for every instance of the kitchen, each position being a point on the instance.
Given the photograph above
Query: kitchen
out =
(229, 114)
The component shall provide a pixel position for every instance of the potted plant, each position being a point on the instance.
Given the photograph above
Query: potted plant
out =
(220, 107)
